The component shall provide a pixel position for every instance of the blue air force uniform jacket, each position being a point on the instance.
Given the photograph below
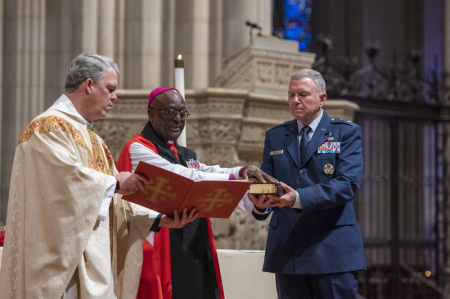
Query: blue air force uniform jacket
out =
(322, 237)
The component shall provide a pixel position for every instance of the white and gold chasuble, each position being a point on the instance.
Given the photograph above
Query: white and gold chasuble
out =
(59, 177)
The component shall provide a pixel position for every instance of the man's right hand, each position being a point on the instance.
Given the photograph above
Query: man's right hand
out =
(261, 201)
(130, 182)
(176, 222)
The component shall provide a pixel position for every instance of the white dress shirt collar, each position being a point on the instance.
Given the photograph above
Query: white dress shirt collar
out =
(64, 104)
(312, 125)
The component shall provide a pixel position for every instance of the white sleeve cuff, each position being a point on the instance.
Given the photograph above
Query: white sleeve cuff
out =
(104, 208)
(245, 204)
(235, 171)
(152, 215)
(297, 204)
(258, 212)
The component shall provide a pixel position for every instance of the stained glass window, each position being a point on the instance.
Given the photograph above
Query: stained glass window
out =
(292, 21)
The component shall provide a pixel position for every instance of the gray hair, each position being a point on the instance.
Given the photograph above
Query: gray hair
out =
(86, 66)
(317, 78)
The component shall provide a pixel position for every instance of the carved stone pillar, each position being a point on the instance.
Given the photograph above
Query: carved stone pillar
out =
(143, 44)
(89, 19)
(24, 29)
(192, 36)
(106, 32)
(168, 52)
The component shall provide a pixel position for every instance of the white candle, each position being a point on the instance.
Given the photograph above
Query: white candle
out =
(179, 85)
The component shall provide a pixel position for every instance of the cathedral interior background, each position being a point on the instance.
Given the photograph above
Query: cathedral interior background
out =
(385, 64)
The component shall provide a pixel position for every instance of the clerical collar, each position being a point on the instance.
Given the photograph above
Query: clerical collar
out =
(312, 125)
(64, 104)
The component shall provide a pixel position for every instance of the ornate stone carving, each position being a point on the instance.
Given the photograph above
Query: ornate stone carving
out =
(282, 74)
(116, 132)
(278, 113)
(264, 72)
(215, 106)
(264, 69)
(130, 107)
(209, 131)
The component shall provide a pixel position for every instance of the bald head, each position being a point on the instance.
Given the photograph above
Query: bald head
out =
(165, 124)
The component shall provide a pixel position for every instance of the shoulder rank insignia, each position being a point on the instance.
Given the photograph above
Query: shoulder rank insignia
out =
(328, 168)
(330, 148)
(193, 164)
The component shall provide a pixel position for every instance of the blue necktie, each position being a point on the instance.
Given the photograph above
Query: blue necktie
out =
(304, 143)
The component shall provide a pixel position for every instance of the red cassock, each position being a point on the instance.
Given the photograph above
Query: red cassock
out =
(157, 280)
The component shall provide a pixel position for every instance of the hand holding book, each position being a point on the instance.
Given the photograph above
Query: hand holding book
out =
(273, 195)
(178, 221)
(287, 199)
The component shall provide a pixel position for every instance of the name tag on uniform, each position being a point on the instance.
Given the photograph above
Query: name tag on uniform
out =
(276, 152)
(193, 164)
(330, 148)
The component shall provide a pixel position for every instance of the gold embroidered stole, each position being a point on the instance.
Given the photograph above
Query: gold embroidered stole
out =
(106, 167)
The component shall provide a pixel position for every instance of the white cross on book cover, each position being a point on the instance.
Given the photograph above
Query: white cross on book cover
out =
(168, 191)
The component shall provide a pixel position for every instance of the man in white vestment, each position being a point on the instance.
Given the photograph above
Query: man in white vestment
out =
(68, 235)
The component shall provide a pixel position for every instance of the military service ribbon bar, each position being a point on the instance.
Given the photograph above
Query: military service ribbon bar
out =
(330, 148)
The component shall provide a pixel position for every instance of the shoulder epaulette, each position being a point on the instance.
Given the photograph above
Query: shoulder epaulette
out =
(341, 121)
(282, 124)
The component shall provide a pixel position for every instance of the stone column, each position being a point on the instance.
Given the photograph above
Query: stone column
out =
(119, 31)
(235, 14)
(151, 43)
(142, 44)
(24, 29)
(89, 29)
(168, 52)
(216, 40)
(192, 40)
(106, 32)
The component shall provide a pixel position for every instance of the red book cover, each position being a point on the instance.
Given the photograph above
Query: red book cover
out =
(168, 191)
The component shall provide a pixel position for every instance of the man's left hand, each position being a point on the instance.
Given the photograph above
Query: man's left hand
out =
(251, 171)
(288, 199)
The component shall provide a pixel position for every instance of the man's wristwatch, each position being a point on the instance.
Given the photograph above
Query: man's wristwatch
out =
(117, 187)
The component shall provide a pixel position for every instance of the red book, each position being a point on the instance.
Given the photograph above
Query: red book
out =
(168, 191)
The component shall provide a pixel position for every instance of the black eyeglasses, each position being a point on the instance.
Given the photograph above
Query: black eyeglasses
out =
(171, 113)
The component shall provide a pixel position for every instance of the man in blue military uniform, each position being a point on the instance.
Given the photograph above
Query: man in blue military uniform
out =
(314, 245)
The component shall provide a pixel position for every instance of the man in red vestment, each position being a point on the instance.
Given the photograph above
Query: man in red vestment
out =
(180, 259)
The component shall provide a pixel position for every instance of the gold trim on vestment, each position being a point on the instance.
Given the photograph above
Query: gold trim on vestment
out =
(105, 167)
(46, 124)
(96, 158)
